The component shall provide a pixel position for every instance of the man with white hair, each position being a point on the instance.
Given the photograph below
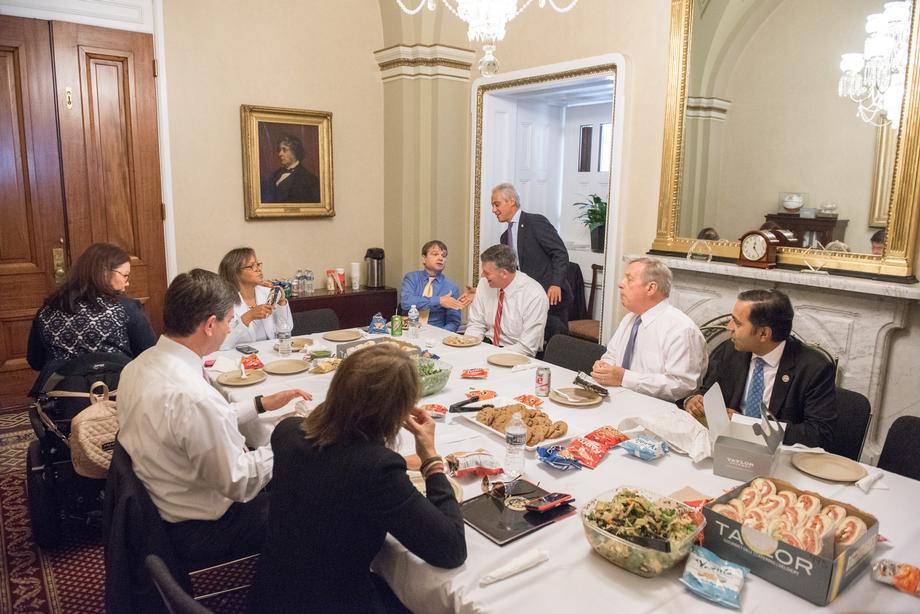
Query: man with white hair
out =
(657, 350)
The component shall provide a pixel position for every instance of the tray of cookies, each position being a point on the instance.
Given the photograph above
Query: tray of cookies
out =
(542, 429)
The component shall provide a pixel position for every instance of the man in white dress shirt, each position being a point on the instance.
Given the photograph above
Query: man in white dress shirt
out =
(510, 308)
(656, 350)
(183, 436)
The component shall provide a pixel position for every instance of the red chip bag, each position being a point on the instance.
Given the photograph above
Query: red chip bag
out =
(607, 435)
(474, 373)
(588, 453)
(251, 362)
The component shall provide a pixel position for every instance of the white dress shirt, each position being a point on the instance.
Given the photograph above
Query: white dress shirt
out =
(669, 358)
(523, 314)
(771, 360)
(258, 330)
(183, 436)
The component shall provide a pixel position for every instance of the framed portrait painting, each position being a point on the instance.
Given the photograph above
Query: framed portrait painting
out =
(287, 162)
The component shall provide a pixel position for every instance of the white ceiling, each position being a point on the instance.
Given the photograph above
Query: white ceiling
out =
(570, 93)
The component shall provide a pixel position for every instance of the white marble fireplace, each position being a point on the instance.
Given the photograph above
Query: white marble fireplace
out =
(852, 318)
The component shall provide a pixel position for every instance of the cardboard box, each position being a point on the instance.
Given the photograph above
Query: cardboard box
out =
(742, 448)
(819, 578)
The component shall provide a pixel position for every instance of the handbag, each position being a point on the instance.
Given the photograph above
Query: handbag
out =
(92, 431)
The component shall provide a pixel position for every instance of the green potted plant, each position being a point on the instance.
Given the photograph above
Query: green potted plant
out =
(594, 216)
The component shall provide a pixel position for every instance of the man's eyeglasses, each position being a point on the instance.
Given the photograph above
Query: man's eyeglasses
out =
(255, 266)
(124, 275)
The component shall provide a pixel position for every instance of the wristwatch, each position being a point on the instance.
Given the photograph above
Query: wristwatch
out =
(260, 409)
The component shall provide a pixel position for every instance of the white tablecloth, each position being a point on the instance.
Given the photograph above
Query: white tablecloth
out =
(575, 578)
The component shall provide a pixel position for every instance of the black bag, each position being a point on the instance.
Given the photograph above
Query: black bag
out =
(78, 375)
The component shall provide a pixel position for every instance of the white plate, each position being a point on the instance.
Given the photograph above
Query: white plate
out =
(461, 341)
(471, 417)
(297, 345)
(232, 378)
(287, 366)
(829, 467)
(507, 360)
(584, 398)
(342, 335)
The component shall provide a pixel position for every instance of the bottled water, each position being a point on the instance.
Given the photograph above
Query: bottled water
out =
(308, 282)
(515, 438)
(283, 326)
(303, 281)
(414, 323)
(296, 288)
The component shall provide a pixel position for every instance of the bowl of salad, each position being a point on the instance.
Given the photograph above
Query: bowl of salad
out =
(639, 530)
(433, 375)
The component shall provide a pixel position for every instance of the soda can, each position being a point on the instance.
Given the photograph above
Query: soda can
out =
(544, 381)
(396, 325)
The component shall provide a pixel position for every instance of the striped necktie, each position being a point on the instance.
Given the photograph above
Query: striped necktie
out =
(496, 335)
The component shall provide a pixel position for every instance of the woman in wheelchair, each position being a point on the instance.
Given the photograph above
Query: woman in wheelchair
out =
(89, 313)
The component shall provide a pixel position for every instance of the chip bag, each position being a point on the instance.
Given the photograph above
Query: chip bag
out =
(714, 578)
(608, 436)
(378, 325)
(646, 447)
(251, 362)
(587, 452)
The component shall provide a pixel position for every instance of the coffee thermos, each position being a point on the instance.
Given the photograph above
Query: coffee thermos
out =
(373, 260)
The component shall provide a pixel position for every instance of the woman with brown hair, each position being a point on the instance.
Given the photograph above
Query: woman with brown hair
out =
(338, 489)
(253, 318)
(89, 312)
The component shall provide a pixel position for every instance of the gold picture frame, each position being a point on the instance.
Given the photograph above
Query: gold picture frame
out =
(900, 203)
(287, 163)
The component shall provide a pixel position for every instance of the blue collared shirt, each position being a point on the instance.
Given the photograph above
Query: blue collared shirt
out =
(413, 284)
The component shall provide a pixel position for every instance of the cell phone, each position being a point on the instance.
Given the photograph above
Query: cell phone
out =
(548, 502)
(246, 349)
(274, 295)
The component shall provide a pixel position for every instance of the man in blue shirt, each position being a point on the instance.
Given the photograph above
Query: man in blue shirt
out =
(435, 296)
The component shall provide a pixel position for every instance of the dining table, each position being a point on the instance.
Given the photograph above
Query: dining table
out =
(575, 579)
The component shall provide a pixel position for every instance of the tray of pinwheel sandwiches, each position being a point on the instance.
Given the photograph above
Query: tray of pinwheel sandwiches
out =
(803, 542)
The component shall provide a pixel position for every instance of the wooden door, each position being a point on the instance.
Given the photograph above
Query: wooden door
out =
(106, 99)
(31, 207)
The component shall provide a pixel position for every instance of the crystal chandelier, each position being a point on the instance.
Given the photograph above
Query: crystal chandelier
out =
(486, 20)
(874, 79)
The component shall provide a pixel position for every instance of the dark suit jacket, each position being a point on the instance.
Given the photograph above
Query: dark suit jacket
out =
(301, 186)
(804, 392)
(541, 252)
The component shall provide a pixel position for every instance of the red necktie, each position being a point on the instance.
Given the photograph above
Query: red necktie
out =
(496, 337)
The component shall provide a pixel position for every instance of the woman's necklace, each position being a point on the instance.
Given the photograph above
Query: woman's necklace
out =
(250, 303)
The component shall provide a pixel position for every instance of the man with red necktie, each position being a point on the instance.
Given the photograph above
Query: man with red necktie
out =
(510, 307)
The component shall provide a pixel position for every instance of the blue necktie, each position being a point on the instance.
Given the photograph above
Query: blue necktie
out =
(510, 236)
(631, 344)
(755, 390)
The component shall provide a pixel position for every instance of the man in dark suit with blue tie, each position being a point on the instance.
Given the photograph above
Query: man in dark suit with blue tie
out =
(540, 252)
(765, 366)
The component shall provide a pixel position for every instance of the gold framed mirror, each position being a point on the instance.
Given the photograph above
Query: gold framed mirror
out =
(701, 95)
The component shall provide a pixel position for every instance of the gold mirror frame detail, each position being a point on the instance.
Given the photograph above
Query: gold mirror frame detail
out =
(903, 202)
(480, 96)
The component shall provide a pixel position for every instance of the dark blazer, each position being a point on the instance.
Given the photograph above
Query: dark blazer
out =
(301, 186)
(331, 509)
(541, 252)
(804, 392)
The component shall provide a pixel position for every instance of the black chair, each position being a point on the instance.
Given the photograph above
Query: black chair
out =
(176, 600)
(314, 321)
(586, 328)
(132, 530)
(901, 453)
(853, 413)
(572, 353)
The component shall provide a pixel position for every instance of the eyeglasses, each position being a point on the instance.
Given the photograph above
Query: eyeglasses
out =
(255, 266)
(124, 275)
(501, 491)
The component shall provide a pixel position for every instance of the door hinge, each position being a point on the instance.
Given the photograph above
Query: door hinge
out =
(163, 211)
(154, 69)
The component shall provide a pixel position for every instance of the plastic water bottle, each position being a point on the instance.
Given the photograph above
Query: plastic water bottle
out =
(296, 288)
(283, 326)
(515, 438)
(303, 282)
(308, 282)
(414, 323)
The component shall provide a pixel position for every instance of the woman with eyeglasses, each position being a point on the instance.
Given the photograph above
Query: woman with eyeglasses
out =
(88, 313)
(338, 489)
(253, 318)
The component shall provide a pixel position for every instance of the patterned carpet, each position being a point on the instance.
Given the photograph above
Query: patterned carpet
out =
(69, 579)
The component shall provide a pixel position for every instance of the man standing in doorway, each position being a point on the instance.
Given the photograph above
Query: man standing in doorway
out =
(541, 254)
